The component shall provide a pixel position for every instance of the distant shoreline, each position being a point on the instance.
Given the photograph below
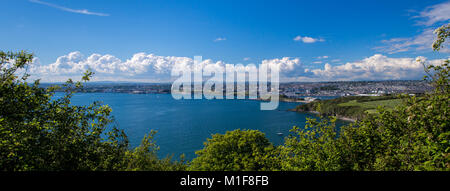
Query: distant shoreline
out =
(287, 100)
(291, 100)
(338, 117)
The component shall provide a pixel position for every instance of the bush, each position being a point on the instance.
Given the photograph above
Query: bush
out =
(41, 133)
(236, 150)
(413, 136)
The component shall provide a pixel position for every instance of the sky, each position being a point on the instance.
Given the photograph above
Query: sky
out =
(137, 40)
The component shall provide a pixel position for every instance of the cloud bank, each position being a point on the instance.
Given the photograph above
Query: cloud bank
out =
(376, 67)
(143, 67)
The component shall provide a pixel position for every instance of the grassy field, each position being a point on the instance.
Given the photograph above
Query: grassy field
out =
(353, 107)
(371, 106)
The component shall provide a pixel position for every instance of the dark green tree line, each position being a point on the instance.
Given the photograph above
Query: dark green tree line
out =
(414, 136)
(41, 133)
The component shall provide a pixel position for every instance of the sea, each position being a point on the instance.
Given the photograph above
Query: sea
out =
(184, 125)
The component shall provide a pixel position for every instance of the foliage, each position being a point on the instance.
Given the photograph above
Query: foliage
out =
(442, 33)
(237, 150)
(145, 157)
(41, 133)
(312, 148)
(413, 136)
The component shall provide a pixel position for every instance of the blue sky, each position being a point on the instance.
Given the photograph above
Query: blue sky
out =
(320, 34)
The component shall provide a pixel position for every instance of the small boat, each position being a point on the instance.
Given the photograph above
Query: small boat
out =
(280, 134)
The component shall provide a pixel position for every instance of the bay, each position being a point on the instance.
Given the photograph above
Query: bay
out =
(184, 125)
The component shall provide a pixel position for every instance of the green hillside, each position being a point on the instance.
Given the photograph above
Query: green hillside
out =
(354, 107)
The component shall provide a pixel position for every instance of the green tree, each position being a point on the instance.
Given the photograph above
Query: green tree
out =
(145, 158)
(38, 133)
(41, 132)
(312, 148)
(442, 33)
(237, 150)
(413, 136)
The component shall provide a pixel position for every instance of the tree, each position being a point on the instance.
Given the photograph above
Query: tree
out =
(442, 33)
(237, 150)
(413, 136)
(313, 148)
(40, 132)
(145, 157)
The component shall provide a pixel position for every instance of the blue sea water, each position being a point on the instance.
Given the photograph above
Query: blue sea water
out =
(184, 125)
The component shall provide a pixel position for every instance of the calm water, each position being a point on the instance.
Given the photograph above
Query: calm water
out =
(183, 125)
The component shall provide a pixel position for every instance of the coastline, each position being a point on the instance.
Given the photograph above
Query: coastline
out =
(287, 100)
(338, 117)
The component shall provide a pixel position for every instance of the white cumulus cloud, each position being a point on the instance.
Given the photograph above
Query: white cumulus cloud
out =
(376, 67)
(140, 67)
(153, 68)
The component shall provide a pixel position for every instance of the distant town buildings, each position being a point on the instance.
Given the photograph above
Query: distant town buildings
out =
(362, 88)
(290, 90)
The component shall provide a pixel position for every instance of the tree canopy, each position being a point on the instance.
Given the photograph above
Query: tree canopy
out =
(237, 150)
(41, 132)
